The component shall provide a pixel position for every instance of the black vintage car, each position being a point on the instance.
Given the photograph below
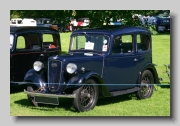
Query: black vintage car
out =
(26, 45)
(101, 62)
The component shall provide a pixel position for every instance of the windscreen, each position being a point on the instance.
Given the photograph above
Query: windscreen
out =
(96, 42)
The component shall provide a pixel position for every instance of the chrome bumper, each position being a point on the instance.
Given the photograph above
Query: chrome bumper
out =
(49, 95)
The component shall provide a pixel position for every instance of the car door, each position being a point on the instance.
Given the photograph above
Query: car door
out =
(27, 50)
(121, 69)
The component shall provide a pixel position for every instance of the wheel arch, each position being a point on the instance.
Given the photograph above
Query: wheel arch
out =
(81, 78)
(35, 79)
(152, 69)
(103, 91)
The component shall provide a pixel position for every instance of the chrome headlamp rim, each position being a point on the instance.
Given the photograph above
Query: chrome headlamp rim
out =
(38, 65)
(71, 68)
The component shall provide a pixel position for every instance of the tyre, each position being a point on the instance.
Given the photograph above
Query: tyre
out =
(86, 96)
(31, 98)
(146, 85)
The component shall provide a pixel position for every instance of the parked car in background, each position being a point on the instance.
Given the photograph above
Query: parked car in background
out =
(28, 44)
(162, 23)
(79, 23)
(44, 22)
(63, 27)
(23, 22)
(16, 21)
(115, 22)
(101, 62)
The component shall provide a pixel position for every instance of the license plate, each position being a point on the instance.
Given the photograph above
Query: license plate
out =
(46, 100)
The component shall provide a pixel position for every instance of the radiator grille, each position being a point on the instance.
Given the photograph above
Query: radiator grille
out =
(54, 74)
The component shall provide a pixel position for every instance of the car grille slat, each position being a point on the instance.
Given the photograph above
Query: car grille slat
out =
(54, 74)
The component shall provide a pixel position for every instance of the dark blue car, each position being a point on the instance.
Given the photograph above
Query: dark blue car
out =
(162, 24)
(101, 62)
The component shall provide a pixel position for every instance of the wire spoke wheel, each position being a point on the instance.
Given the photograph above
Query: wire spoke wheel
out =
(146, 85)
(86, 96)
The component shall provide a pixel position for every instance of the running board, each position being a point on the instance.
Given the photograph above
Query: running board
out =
(116, 93)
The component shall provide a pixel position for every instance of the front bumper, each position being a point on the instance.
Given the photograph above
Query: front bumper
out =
(15, 84)
(48, 98)
(50, 95)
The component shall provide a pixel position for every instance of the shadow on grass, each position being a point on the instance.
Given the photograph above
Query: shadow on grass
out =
(67, 104)
(64, 104)
(164, 85)
(164, 33)
(116, 99)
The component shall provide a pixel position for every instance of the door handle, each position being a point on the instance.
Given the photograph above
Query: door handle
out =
(135, 60)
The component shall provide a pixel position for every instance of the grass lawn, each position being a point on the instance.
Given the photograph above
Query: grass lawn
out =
(125, 105)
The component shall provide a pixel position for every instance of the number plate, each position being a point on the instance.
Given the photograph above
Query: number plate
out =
(46, 100)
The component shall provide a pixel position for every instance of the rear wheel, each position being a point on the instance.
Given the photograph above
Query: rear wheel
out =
(146, 85)
(86, 96)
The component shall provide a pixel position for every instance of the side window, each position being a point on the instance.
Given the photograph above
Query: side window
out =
(28, 41)
(21, 44)
(127, 38)
(122, 44)
(143, 42)
(49, 41)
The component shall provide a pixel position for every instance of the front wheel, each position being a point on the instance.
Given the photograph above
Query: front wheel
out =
(146, 85)
(86, 96)
(31, 98)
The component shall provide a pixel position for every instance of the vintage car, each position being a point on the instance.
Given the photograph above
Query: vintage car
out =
(162, 24)
(27, 43)
(101, 62)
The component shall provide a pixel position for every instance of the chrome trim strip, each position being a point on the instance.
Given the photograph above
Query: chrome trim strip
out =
(50, 95)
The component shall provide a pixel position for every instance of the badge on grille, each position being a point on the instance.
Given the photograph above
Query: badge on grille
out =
(54, 64)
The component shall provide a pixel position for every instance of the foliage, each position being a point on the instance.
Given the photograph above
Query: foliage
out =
(97, 17)
(153, 30)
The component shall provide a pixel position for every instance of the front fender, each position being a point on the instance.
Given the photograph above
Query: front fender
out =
(36, 78)
(77, 81)
(152, 68)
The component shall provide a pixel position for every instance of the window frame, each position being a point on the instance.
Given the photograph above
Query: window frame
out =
(121, 51)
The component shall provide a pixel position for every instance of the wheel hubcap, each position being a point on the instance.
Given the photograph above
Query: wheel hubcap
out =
(86, 96)
(146, 87)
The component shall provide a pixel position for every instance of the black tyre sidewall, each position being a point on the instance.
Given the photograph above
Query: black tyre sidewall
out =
(31, 98)
(150, 75)
(76, 102)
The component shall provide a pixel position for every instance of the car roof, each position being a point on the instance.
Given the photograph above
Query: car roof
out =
(14, 29)
(113, 30)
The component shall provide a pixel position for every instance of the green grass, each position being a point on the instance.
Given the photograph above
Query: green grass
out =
(161, 55)
(65, 39)
(125, 105)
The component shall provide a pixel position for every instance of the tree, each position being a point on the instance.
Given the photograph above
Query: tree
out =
(97, 17)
